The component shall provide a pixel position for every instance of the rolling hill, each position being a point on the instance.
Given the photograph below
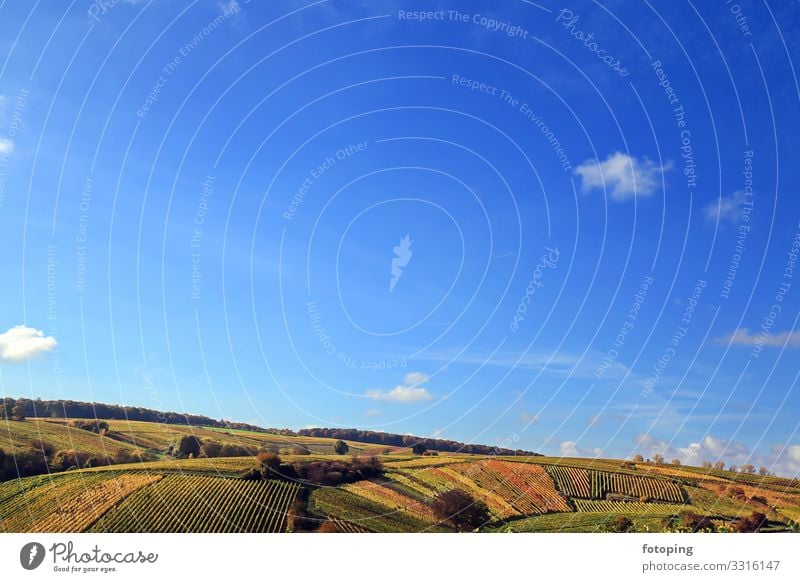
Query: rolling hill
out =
(72, 475)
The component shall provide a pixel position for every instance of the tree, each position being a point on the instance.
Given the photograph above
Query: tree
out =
(733, 469)
(341, 448)
(270, 464)
(658, 459)
(719, 465)
(707, 465)
(753, 523)
(749, 469)
(676, 461)
(419, 449)
(189, 445)
(18, 412)
(638, 459)
(622, 524)
(459, 509)
(763, 471)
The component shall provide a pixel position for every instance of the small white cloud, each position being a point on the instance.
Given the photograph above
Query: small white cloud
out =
(528, 418)
(6, 146)
(571, 449)
(743, 337)
(415, 378)
(626, 177)
(725, 208)
(400, 394)
(409, 391)
(21, 343)
(372, 412)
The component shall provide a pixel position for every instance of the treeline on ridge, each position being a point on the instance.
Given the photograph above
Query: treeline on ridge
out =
(94, 410)
(399, 440)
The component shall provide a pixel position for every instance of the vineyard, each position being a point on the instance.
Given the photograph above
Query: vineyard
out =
(391, 499)
(571, 480)
(366, 514)
(210, 495)
(656, 489)
(80, 512)
(25, 505)
(627, 507)
(508, 489)
(179, 503)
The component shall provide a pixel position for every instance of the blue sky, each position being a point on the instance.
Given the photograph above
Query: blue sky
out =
(561, 227)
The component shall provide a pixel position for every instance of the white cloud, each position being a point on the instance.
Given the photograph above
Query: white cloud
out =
(725, 208)
(780, 459)
(625, 176)
(528, 418)
(743, 337)
(6, 146)
(21, 343)
(415, 378)
(372, 412)
(709, 448)
(571, 449)
(409, 391)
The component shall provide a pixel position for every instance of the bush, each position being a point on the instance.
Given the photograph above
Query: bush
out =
(419, 449)
(211, 449)
(229, 450)
(460, 510)
(252, 475)
(333, 473)
(753, 523)
(270, 464)
(18, 412)
(697, 523)
(341, 448)
(736, 493)
(63, 460)
(328, 527)
(189, 445)
(622, 524)
(96, 426)
(300, 450)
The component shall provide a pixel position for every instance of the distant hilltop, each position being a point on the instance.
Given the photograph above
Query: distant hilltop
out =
(43, 409)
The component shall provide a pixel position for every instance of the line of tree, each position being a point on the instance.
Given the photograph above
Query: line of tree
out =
(399, 440)
(21, 408)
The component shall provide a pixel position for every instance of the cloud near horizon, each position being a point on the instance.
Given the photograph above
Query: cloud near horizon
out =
(409, 391)
(743, 337)
(21, 343)
(625, 176)
(571, 449)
